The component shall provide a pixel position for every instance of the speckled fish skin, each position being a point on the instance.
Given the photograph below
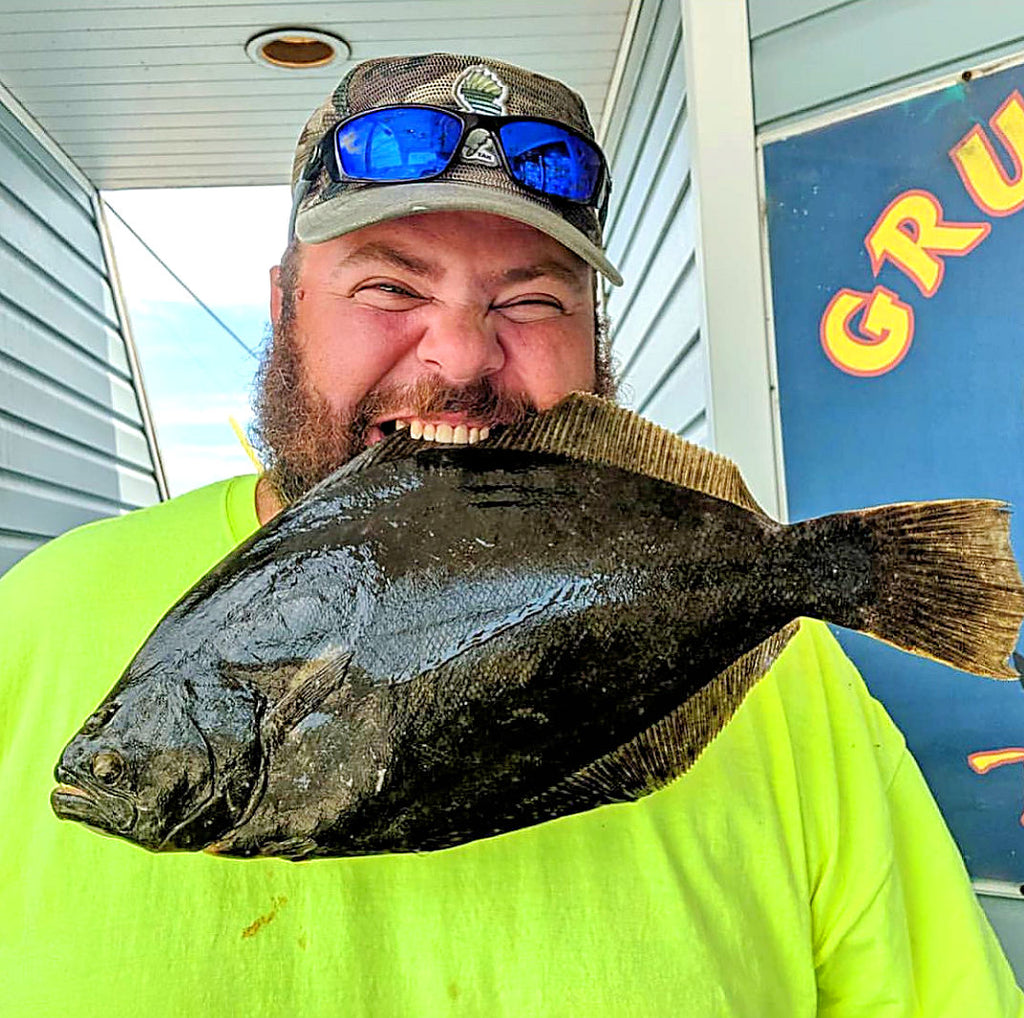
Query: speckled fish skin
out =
(414, 655)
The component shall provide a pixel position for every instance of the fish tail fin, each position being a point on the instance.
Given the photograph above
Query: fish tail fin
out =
(943, 581)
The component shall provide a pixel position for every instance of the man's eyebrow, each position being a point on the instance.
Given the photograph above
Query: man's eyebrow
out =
(559, 270)
(375, 251)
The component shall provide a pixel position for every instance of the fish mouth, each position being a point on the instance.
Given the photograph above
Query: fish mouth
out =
(109, 813)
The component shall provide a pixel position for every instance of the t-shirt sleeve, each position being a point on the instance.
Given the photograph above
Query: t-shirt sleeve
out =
(898, 929)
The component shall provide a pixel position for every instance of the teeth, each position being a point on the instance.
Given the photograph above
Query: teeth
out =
(459, 434)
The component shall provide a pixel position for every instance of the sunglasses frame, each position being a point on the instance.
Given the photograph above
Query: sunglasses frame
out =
(326, 153)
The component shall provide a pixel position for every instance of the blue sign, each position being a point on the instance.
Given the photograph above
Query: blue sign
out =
(897, 262)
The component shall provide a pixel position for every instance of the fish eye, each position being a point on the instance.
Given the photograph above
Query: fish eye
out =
(107, 766)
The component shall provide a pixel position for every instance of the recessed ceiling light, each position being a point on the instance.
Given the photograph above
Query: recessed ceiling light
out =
(297, 49)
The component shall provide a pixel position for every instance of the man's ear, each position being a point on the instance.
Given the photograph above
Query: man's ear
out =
(276, 294)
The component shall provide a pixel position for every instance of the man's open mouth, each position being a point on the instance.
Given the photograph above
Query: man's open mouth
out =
(436, 431)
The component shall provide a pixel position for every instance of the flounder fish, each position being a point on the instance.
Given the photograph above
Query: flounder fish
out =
(439, 644)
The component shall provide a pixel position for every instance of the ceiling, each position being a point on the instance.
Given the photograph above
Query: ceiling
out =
(143, 93)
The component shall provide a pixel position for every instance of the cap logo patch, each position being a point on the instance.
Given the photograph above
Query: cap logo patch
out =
(479, 148)
(479, 90)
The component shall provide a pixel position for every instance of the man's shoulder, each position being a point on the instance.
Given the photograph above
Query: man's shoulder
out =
(189, 528)
(814, 708)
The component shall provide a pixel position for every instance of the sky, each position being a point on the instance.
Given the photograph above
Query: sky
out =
(222, 242)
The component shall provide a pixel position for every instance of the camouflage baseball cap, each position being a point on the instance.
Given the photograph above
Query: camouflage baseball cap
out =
(324, 208)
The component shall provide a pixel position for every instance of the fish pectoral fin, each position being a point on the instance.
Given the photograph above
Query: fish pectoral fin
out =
(310, 685)
(666, 750)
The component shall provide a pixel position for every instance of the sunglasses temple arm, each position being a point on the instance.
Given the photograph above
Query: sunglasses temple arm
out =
(301, 190)
(309, 173)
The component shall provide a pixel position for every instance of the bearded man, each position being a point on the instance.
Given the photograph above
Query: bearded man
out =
(799, 868)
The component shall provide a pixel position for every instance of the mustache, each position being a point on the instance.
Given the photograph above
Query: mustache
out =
(302, 438)
(430, 395)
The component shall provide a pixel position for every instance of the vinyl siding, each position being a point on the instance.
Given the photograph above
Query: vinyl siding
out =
(812, 55)
(651, 232)
(72, 443)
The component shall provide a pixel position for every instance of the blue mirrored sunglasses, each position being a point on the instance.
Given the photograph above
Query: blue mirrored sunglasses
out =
(393, 144)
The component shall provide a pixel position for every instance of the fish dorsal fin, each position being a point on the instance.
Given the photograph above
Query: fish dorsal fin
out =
(586, 427)
(666, 750)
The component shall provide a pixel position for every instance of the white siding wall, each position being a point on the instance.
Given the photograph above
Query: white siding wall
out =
(651, 232)
(72, 444)
(811, 55)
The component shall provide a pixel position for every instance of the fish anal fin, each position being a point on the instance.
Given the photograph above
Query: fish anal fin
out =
(666, 750)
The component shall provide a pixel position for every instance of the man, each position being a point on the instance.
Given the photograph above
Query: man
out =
(799, 868)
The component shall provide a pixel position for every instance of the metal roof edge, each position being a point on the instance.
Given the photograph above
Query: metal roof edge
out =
(134, 364)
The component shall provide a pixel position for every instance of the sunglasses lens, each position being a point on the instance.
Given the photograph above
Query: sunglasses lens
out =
(551, 160)
(397, 144)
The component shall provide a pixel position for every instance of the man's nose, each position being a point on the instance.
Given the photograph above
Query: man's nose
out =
(462, 345)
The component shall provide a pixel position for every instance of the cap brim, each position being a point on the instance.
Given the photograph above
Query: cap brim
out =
(352, 211)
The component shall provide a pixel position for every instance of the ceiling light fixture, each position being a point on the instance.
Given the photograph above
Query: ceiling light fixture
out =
(297, 49)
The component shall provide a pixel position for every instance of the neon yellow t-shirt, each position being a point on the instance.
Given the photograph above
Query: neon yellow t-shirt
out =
(800, 868)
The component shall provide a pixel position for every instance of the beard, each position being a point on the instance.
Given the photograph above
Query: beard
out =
(301, 438)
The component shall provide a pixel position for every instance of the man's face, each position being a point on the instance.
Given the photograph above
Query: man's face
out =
(448, 318)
